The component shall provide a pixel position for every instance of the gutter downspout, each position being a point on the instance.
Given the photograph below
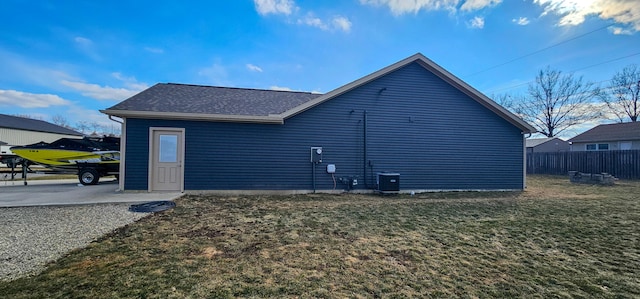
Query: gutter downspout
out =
(313, 175)
(366, 157)
(111, 118)
(364, 165)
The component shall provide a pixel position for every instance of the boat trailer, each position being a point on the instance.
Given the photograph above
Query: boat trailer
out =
(88, 173)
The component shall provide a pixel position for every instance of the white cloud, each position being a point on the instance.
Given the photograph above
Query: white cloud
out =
(619, 30)
(313, 21)
(35, 73)
(265, 7)
(100, 92)
(399, 7)
(59, 80)
(280, 88)
(342, 23)
(130, 82)
(521, 21)
(288, 7)
(254, 68)
(574, 12)
(477, 22)
(30, 100)
(471, 5)
(336, 23)
(82, 41)
(86, 46)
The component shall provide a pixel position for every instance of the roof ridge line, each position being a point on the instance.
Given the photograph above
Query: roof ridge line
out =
(242, 88)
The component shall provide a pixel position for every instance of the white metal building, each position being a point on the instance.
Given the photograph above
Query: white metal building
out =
(16, 130)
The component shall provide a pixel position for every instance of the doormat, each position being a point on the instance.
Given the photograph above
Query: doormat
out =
(154, 206)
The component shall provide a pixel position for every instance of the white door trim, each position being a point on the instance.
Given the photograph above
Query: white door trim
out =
(152, 130)
(123, 150)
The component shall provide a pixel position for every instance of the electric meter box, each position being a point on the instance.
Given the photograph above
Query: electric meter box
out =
(316, 154)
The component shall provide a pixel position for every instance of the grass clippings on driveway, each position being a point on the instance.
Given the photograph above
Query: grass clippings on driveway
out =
(553, 240)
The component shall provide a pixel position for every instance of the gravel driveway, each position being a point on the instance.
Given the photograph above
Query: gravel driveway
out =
(30, 237)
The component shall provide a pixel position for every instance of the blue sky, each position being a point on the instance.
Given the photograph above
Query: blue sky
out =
(72, 58)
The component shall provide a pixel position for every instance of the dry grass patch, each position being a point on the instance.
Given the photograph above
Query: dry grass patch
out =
(554, 240)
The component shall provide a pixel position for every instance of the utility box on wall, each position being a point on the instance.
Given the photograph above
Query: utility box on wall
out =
(388, 182)
(316, 154)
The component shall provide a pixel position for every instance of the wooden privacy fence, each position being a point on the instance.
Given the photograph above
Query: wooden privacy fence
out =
(621, 164)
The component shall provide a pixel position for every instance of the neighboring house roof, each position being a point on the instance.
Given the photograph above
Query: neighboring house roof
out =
(538, 141)
(175, 101)
(610, 132)
(28, 124)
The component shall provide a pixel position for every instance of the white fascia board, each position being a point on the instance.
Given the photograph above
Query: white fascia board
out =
(270, 119)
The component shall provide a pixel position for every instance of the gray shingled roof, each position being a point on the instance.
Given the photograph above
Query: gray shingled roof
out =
(207, 103)
(537, 141)
(28, 124)
(182, 98)
(610, 132)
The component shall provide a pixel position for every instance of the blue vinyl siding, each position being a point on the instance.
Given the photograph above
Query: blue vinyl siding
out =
(435, 136)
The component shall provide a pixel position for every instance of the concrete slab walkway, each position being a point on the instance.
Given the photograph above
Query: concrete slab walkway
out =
(70, 192)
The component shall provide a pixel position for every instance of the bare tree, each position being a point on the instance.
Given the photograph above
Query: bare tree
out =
(60, 120)
(112, 130)
(96, 127)
(505, 100)
(83, 126)
(623, 96)
(557, 102)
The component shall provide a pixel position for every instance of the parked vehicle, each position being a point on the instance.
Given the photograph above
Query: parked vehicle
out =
(90, 157)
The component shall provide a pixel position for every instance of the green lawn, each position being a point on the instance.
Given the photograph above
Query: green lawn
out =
(553, 240)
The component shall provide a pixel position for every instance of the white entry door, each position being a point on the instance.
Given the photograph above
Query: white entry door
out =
(166, 155)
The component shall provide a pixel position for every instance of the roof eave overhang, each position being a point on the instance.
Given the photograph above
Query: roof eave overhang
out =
(43, 131)
(595, 140)
(270, 119)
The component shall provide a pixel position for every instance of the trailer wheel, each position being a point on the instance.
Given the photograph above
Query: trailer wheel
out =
(88, 176)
